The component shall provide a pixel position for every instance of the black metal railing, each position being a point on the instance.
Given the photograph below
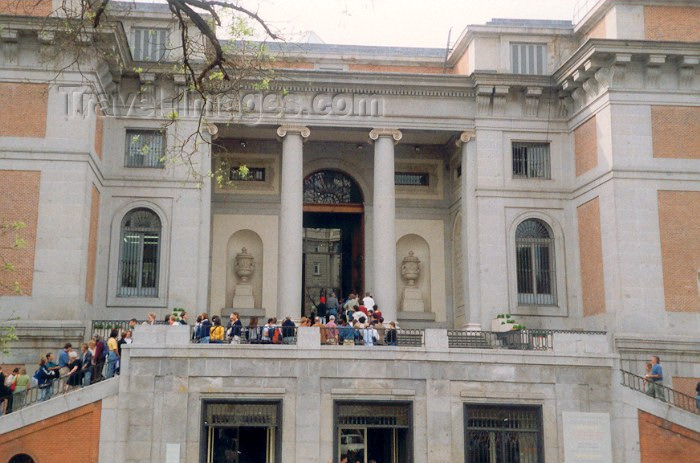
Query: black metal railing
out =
(515, 339)
(529, 339)
(35, 393)
(250, 335)
(659, 391)
(349, 336)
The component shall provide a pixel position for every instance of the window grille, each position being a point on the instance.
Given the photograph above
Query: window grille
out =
(534, 247)
(411, 178)
(255, 174)
(331, 187)
(241, 414)
(531, 160)
(139, 254)
(144, 148)
(380, 415)
(528, 58)
(503, 434)
(148, 44)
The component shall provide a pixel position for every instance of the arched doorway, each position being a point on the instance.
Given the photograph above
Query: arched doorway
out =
(333, 237)
(21, 458)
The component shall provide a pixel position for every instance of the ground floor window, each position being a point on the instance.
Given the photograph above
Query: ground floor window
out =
(503, 434)
(241, 432)
(379, 432)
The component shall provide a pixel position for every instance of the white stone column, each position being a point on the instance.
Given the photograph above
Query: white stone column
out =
(291, 223)
(470, 231)
(384, 222)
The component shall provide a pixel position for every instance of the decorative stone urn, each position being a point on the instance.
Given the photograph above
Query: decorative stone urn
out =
(244, 267)
(412, 294)
(410, 268)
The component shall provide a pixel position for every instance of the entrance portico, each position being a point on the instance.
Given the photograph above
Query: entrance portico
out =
(388, 221)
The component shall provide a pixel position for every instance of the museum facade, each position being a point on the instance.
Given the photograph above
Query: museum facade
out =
(547, 170)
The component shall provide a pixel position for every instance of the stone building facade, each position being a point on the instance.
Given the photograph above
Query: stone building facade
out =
(544, 169)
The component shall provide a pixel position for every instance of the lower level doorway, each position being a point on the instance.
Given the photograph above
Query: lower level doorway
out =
(241, 432)
(373, 433)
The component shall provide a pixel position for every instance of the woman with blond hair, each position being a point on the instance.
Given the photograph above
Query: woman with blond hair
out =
(21, 387)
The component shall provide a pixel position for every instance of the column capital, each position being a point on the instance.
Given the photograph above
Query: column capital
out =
(285, 129)
(465, 137)
(396, 134)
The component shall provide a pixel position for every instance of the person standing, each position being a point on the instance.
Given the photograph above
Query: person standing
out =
(64, 359)
(656, 376)
(74, 372)
(43, 378)
(112, 354)
(86, 361)
(10, 388)
(332, 305)
(368, 301)
(4, 393)
(697, 395)
(98, 359)
(21, 387)
(217, 332)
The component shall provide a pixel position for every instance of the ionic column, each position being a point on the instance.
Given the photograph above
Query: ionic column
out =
(384, 222)
(291, 223)
(470, 231)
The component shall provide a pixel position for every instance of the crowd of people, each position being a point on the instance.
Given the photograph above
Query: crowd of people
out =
(354, 322)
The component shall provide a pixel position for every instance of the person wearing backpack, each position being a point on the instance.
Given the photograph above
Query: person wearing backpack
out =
(43, 379)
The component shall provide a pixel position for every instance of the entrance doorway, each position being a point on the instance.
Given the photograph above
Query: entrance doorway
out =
(373, 432)
(333, 238)
(241, 432)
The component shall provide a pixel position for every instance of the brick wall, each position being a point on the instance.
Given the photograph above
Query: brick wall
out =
(675, 131)
(71, 437)
(598, 31)
(19, 203)
(679, 226)
(661, 441)
(678, 24)
(92, 244)
(591, 252)
(25, 7)
(586, 147)
(23, 109)
(685, 385)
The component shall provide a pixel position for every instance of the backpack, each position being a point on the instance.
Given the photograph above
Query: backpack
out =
(276, 336)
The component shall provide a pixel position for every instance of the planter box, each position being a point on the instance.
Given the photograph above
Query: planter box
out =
(496, 326)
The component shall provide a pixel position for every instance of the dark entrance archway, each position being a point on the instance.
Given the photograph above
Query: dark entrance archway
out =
(333, 237)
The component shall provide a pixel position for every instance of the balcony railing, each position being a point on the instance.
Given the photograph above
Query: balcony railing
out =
(528, 339)
(534, 339)
(349, 336)
(659, 391)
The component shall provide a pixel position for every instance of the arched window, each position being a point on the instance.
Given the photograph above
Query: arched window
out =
(331, 187)
(534, 247)
(139, 254)
(21, 458)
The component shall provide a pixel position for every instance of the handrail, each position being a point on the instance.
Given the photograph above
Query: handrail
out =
(350, 336)
(35, 393)
(659, 391)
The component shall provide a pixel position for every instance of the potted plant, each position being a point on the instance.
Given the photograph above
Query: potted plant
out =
(502, 323)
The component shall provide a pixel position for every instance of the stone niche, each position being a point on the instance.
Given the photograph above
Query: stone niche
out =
(413, 278)
(244, 285)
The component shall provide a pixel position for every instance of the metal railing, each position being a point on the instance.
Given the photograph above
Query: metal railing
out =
(36, 393)
(104, 327)
(534, 339)
(253, 335)
(349, 336)
(515, 339)
(659, 391)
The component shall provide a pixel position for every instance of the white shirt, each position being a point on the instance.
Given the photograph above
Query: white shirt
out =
(368, 302)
